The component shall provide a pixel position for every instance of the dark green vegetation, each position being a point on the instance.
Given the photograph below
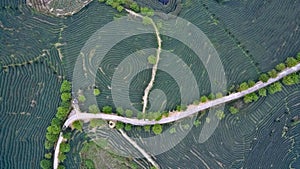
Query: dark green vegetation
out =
(54, 129)
(251, 37)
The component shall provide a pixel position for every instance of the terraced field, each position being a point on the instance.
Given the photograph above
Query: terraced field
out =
(251, 37)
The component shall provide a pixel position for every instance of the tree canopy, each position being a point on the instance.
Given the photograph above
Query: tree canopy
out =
(157, 129)
(65, 87)
(45, 164)
(275, 87)
(290, 62)
(107, 109)
(264, 77)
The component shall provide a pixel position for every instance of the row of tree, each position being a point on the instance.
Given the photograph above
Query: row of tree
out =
(54, 129)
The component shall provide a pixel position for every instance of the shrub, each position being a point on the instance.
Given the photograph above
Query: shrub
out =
(280, 67)
(211, 96)
(275, 87)
(96, 92)
(290, 62)
(64, 147)
(291, 79)
(262, 92)
(251, 83)
(78, 125)
(243, 86)
(93, 109)
(48, 155)
(65, 87)
(233, 110)
(220, 114)
(147, 128)
(157, 129)
(107, 110)
(128, 113)
(152, 59)
(61, 157)
(264, 77)
(128, 127)
(219, 95)
(120, 111)
(81, 98)
(45, 164)
(119, 125)
(272, 73)
(203, 99)
(65, 97)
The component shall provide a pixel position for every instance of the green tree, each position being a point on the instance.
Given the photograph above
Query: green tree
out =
(219, 95)
(251, 83)
(134, 6)
(290, 62)
(147, 11)
(120, 8)
(81, 98)
(107, 109)
(128, 113)
(64, 147)
(65, 97)
(96, 92)
(94, 109)
(211, 96)
(48, 155)
(147, 128)
(45, 164)
(48, 144)
(61, 167)
(291, 79)
(128, 127)
(275, 87)
(298, 57)
(55, 122)
(120, 111)
(62, 113)
(220, 114)
(67, 135)
(233, 110)
(280, 67)
(197, 123)
(140, 115)
(152, 59)
(157, 129)
(65, 87)
(262, 92)
(61, 157)
(272, 73)
(264, 77)
(203, 99)
(78, 125)
(89, 164)
(243, 86)
(51, 137)
(250, 97)
(119, 125)
(54, 129)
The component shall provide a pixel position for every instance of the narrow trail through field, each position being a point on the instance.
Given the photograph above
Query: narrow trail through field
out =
(141, 150)
(154, 68)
